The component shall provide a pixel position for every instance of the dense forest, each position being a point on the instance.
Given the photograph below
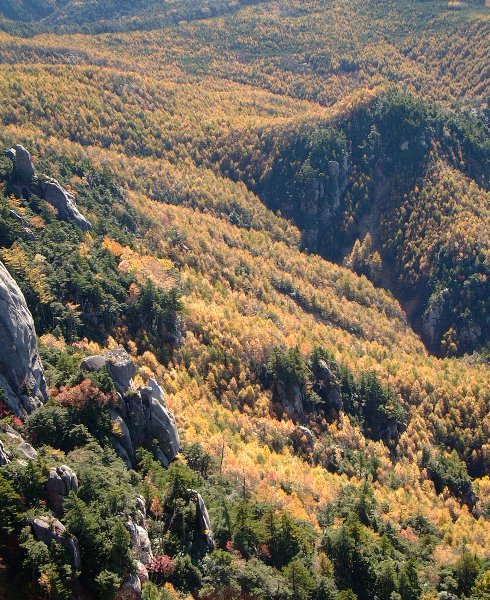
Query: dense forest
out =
(375, 188)
(27, 17)
(254, 241)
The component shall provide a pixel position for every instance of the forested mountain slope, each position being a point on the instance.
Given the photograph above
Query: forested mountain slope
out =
(28, 17)
(396, 190)
(212, 178)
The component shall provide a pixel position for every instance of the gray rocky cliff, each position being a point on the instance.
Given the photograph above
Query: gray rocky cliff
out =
(141, 415)
(64, 202)
(435, 316)
(203, 522)
(47, 530)
(24, 183)
(61, 481)
(22, 375)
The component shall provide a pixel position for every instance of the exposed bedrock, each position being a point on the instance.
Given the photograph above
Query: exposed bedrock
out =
(141, 415)
(21, 371)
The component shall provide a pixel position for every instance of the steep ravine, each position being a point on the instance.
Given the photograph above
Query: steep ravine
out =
(388, 169)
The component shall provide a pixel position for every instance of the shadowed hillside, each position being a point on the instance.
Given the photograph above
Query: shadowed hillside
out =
(411, 177)
(30, 17)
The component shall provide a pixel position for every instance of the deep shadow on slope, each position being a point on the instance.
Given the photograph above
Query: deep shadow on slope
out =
(400, 169)
(67, 16)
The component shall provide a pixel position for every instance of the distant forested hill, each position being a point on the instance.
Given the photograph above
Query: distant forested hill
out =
(108, 15)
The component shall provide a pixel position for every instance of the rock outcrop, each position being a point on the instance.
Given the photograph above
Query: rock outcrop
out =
(9, 398)
(203, 522)
(27, 450)
(435, 316)
(142, 550)
(47, 530)
(140, 510)
(20, 365)
(161, 423)
(295, 403)
(316, 207)
(61, 481)
(118, 364)
(142, 573)
(141, 415)
(64, 202)
(140, 542)
(327, 386)
(23, 171)
(333, 168)
(26, 230)
(17, 444)
(5, 455)
(302, 440)
(290, 397)
(130, 589)
(304, 434)
(24, 183)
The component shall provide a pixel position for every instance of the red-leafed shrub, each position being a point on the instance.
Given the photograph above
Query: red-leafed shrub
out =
(5, 412)
(83, 395)
(16, 422)
(161, 568)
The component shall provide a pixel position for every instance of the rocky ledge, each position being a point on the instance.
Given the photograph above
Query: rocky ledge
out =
(141, 414)
(24, 183)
